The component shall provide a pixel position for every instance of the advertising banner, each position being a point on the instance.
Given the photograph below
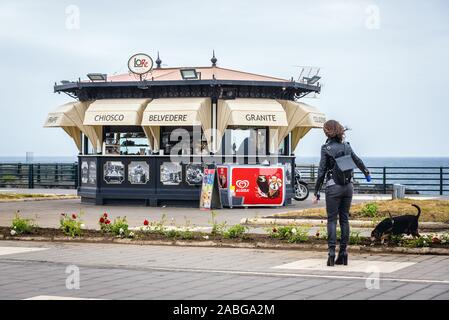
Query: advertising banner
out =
(222, 177)
(210, 196)
(258, 185)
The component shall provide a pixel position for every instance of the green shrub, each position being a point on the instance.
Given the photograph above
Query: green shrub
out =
(236, 231)
(179, 234)
(120, 227)
(369, 210)
(420, 242)
(300, 235)
(397, 240)
(217, 228)
(158, 227)
(290, 233)
(445, 238)
(21, 225)
(71, 225)
(282, 232)
(321, 233)
(354, 238)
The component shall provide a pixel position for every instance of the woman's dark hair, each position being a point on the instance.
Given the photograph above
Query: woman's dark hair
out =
(334, 130)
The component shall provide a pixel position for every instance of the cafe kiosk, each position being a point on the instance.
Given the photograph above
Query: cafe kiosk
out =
(146, 136)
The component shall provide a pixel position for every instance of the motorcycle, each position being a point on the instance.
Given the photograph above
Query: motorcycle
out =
(301, 187)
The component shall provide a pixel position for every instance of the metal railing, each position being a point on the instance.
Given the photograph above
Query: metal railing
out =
(424, 180)
(38, 175)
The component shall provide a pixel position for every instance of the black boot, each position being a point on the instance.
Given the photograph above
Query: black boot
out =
(342, 258)
(330, 261)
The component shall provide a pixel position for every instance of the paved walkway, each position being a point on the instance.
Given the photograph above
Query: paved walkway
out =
(108, 271)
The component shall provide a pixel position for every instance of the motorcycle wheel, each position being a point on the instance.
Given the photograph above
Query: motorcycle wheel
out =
(301, 191)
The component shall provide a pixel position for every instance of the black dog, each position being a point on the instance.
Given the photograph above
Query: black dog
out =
(407, 224)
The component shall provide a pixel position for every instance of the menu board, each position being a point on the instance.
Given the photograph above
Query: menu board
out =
(210, 196)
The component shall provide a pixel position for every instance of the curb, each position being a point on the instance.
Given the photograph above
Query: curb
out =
(239, 245)
(39, 199)
(323, 222)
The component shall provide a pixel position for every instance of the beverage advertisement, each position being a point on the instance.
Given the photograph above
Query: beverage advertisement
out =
(222, 177)
(262, 186)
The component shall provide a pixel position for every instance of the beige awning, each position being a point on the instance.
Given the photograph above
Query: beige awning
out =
(177, 112)
(70, 117)
(116, 112)
(249, 112)
(301, 118)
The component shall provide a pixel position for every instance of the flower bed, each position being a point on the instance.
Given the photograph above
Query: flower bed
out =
(268, 240)
(160, 232)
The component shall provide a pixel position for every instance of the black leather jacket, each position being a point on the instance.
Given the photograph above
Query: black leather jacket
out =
(331, 149)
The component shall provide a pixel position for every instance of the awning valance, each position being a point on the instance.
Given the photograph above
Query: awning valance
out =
(177, 112)
(249, 112)
(116, 112)
(301, 118)
(70, 117)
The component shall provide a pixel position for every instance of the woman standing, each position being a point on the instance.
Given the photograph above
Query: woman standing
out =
(336, 167)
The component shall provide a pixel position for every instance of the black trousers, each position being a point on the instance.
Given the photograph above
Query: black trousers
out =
(338, 203)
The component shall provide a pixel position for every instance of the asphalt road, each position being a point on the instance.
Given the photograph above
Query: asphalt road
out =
(111, 271)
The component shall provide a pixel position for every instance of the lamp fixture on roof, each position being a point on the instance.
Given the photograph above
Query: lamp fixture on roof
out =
(158, 61)
(312, 80)
(189, 74)
(97, 76)
(213, 60)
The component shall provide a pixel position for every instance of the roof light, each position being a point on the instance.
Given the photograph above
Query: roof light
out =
(312, 80)
(189, 74)
(97, 76)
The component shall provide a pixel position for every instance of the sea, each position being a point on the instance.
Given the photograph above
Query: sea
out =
(300, 160)
(389, 161)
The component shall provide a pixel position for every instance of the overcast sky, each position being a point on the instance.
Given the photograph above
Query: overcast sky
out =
(384, 63)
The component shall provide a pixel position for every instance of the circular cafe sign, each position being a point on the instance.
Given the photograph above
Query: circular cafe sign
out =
(140, 63)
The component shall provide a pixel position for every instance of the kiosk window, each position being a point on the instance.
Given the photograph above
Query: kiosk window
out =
(245, 141)
(126, 141)
(185, 139)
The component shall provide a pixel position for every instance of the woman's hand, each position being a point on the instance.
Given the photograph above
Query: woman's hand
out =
(316, 198)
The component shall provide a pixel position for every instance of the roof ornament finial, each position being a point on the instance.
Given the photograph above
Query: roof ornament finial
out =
(213, 60)
(158, 61)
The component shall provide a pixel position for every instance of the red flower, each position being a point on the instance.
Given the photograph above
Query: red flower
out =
(275, 230)
(105, 215)
(107, 222)
(317, 234)
(146, 222)
(73, 216)
(436, 240)
(101, 220)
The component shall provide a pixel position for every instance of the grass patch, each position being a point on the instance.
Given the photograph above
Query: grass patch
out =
(16, 196)
(432, 210)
